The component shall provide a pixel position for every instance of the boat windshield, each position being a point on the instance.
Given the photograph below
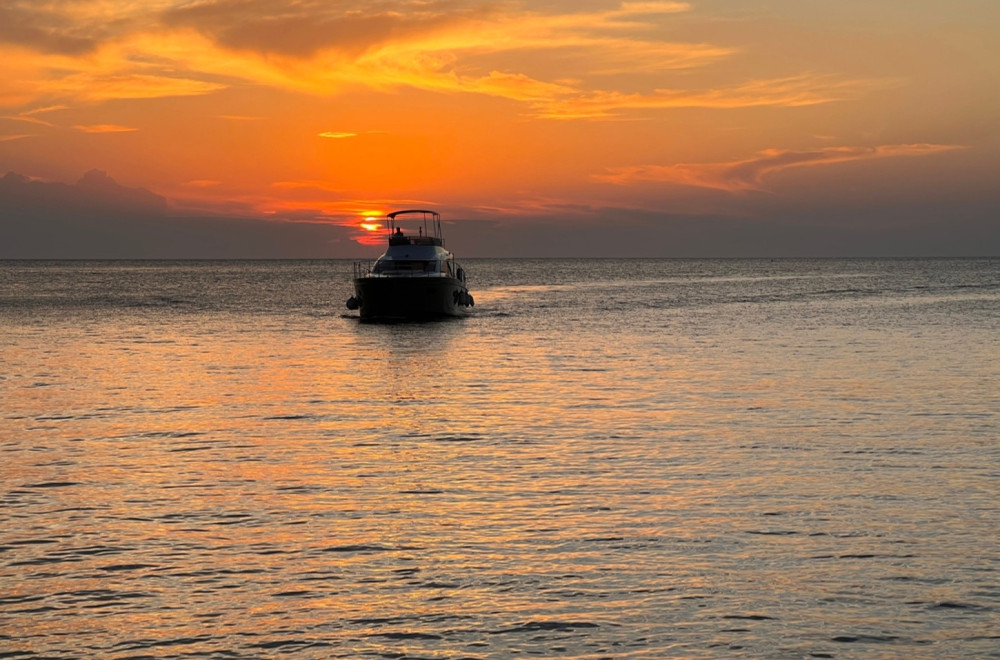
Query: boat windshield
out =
(409, 266)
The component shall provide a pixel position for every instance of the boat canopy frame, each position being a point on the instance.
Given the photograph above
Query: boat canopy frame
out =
(433, 216)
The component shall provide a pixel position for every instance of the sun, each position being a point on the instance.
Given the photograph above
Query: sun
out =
(370, 222)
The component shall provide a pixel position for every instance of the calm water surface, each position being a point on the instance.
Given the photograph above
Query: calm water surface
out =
(607, 459)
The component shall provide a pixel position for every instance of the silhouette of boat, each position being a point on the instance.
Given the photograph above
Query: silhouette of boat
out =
(416, 278)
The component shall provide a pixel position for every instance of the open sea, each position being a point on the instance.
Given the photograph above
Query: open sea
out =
(606, 459)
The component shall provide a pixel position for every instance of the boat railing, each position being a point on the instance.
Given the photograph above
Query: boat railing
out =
(362, 268)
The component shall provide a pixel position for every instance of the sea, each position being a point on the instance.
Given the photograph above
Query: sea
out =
(608, 458)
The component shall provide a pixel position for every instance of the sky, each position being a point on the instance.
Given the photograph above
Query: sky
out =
(281, 128)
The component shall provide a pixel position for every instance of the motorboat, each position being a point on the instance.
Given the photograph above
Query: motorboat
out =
(416, 278)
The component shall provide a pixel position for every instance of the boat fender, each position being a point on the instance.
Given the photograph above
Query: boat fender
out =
(353, 303)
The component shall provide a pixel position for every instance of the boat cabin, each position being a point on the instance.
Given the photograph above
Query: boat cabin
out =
(399, 238)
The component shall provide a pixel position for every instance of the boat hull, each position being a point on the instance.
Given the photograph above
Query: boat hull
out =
(410, 298)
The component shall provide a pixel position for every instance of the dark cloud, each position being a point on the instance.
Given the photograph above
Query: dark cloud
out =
(43, 30)
(301, 29)
(98, 218)
(296, 28)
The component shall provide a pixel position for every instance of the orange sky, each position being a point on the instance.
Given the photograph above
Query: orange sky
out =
(561, 112)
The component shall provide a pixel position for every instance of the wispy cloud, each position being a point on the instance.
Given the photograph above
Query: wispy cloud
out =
(29, 115)
(19, 136)
(311, 184)
(48, 108)
(43, 29)
(337, 135)
(92, 51)
(794, 91)
(750, 174)
(28, 119)
(105, 128)
(101, 87)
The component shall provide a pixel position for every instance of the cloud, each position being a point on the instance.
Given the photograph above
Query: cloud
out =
(75, 28)
(27, 118)
(162, 48)
(113, 72)
(95, 192)
(516, 86)
(432, 51)
(44, 30)
(303, 29)
(343, 135)
(49, 108)
(17, 136)
(568, 64)
(99, 218)
(88, 86)
(105, 128)
(653, 7)
(789, 92)
(749, 174)
(310, 185)
(96, 188)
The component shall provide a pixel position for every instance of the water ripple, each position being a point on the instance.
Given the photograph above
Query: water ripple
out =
(758, 459)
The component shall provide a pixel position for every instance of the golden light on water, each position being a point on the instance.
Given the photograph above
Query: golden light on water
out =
(250, 457)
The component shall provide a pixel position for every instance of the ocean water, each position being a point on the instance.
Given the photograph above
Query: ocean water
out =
(606, 459)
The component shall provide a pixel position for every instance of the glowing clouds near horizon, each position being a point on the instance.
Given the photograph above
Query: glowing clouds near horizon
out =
(749, 174)
(372, 234)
